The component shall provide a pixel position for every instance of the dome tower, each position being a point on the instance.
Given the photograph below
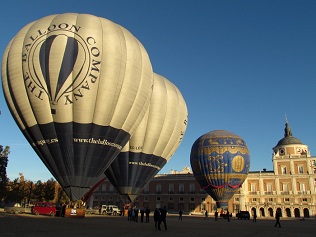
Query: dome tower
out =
(290, 146)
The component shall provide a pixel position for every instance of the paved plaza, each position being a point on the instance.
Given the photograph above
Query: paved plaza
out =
(27, 225)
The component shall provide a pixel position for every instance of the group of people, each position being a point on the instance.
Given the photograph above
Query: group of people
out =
(133, 213)
(160, 216)
(277, 217)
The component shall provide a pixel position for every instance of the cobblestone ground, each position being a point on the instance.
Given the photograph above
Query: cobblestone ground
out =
(27, 225)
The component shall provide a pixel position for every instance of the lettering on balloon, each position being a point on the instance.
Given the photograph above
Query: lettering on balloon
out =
(103, 142)
(144, 164)
(60, 63)
(136, 148)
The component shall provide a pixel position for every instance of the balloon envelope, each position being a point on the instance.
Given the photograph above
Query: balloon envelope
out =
(220, 162)
(78, 86)
(154, 142)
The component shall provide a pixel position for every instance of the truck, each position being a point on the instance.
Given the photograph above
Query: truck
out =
(17, 208)
(110, 210)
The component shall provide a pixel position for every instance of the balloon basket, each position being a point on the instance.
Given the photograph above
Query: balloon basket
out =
(75, 212)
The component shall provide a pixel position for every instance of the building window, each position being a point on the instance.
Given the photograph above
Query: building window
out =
(158, 188)
(286, 200)
(302, 188)
(181, 199)
(304, 199)
(145, 199)
(203, 199)
(157, 198)
(192, 187)
(103, 188)
(146, 189)
(300, 169)
(203, 207)
(191, 206)
(181, 206)
(171, 188)
(192, 199)
(236, 199)
(283, 168)
(253, 189)
(170, 206)
(181, 188)
(254, 199)
(281, 151)
(111, 188)
(170, 199)
(270, 199)
(269, 189)
(285, 189)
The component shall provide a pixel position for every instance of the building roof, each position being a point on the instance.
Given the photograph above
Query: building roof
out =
(288, 138)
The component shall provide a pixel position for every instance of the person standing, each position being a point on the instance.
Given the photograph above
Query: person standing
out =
(157, 218)
(147, 214)
(216, 216)
(142, 213)
(163, 217)
(277, 218)
(180, 215)
(136, 211)
(228, 217)
(206, 215)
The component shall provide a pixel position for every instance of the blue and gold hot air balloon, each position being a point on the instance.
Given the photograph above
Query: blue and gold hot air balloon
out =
(78, 86)
(220, 162)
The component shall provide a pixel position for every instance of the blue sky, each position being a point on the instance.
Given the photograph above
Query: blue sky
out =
(240, 65)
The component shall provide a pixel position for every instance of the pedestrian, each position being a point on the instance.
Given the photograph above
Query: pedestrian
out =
(163, 217)
(206, 215)
(180, 215)
(157, 218)
(142, 213)
(216, 216)
(129, 214)
(254, 216)
(147, 214)
(136, 211)
(277, 218)
(133, 214)
(227, 215)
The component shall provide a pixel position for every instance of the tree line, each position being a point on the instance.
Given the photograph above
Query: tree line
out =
(23, 191)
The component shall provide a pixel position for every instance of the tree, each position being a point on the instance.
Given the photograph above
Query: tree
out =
(38, 191)
(49, 190)
(4, 153)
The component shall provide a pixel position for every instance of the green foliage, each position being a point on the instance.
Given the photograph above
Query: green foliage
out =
(4, 153)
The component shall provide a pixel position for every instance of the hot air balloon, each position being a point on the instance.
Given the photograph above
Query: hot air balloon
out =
(220, 162)
(78, 86)
(154, 142)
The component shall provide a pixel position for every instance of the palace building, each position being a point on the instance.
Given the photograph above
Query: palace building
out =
(289, 188)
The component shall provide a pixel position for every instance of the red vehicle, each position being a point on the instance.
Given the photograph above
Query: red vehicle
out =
(45, 208)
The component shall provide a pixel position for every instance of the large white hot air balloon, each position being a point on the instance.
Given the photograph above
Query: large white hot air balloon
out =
(154, 142)
(77, 86)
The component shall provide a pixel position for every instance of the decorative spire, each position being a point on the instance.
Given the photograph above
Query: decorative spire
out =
(287, 130)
